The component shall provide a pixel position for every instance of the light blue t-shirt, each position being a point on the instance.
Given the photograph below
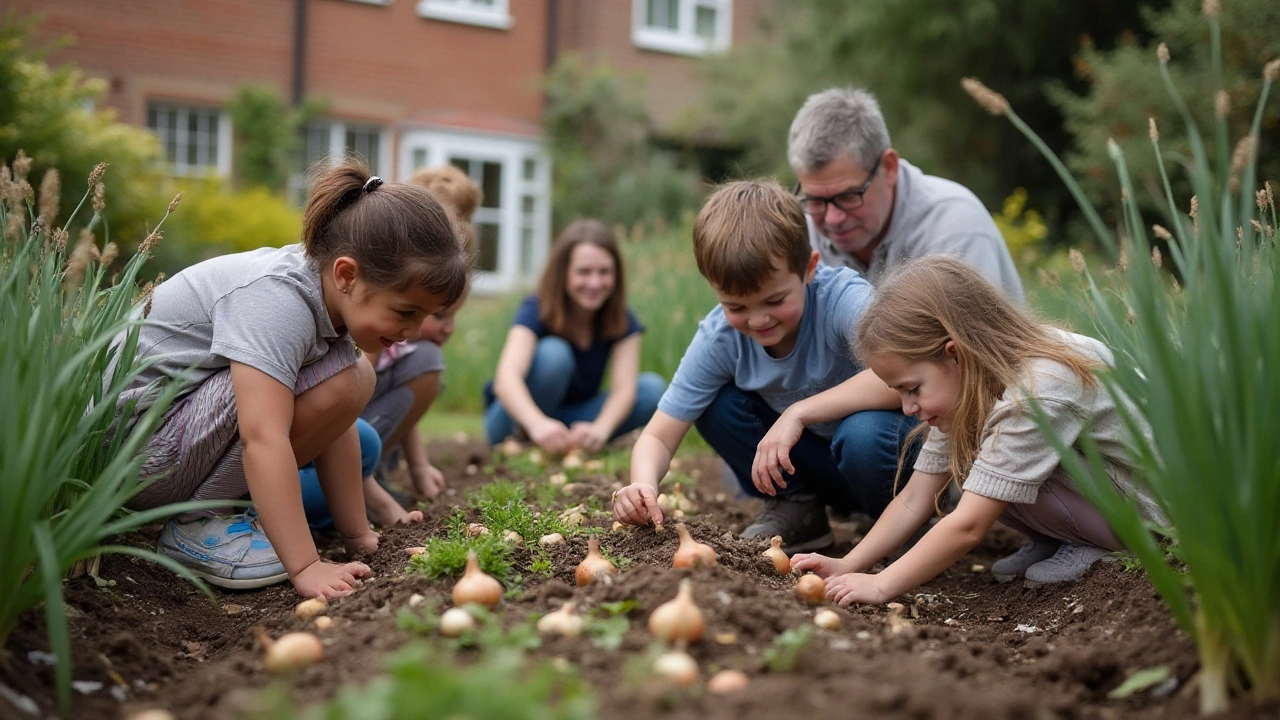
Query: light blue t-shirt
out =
(821, 359)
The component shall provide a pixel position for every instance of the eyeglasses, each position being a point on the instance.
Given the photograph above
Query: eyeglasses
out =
(816, 205)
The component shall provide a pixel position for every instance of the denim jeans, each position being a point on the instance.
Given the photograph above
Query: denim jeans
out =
(548, 381)
(313, 501)
(853, 471)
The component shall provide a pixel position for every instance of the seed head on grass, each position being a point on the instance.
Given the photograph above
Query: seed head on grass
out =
(990, 100)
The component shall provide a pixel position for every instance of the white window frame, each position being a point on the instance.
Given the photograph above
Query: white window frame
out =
(511, 152)
(683, 40)
(468, 12)
(222, 161)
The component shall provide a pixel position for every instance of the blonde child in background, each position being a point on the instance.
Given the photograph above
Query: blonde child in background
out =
(410, 373)
(966, 363)
(267, 345)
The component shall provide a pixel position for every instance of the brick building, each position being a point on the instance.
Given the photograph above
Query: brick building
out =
(410, 83)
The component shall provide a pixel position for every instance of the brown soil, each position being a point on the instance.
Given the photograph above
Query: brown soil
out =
(973, 648)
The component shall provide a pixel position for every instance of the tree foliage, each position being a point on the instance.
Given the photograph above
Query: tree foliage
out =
(1125, 90)
(47, 112)
(912, 55)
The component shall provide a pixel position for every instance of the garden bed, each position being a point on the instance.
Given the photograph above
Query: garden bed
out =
(973, 648)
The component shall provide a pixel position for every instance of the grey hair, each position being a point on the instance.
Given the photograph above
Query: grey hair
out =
(836, 122)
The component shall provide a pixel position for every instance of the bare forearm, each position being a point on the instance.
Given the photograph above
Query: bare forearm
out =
(338, 469)
(272, 476)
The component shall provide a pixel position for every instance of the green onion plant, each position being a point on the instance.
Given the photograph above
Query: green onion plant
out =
(1198, 355)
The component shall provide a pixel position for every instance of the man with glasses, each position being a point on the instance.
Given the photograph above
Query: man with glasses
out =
(869, 209)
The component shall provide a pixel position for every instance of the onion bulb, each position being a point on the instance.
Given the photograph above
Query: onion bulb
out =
(811, 589)
(456, 621)
(310, 608)
(781, 562)
(678, 620)
(691, 553)
(594, 565)
(677, 667)
(291, 651)
(552, 539)
(475, 586)
(727, 681)
(563, 622)
(827, 619)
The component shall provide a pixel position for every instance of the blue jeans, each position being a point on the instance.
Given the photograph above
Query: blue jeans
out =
(313, 501)
(853, 471)
(548, 381)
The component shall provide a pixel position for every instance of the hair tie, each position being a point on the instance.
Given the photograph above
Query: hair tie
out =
(372, 183)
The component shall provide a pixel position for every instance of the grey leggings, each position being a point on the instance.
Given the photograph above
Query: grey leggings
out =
(1061, 514)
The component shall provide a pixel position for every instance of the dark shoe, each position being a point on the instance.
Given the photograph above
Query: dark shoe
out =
(801, 520)
(1008, 568)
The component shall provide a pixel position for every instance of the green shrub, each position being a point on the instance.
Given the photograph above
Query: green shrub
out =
(66, 470)
(1199, 362)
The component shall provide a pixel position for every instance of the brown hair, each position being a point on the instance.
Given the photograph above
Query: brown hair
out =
(927, 302)
(452, 187)
(399, 235)
(553, 299)
(743, 229)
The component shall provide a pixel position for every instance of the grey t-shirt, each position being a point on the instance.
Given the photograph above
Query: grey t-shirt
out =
(933, 216)
(1015, 459)
(719, 355)
(263, 308)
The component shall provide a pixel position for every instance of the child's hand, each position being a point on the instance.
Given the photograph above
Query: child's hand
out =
(637, 505)
(773, 454)
(550, 435)
(427, 480)
(330, 580)
(587, 436)
(364, 544)
(859, 588)
(820, 565)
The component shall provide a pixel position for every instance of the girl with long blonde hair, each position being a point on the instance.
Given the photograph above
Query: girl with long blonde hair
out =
(968, 364)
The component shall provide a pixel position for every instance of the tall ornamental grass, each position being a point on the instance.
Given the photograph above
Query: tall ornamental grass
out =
(1199, 355)
(66, 471)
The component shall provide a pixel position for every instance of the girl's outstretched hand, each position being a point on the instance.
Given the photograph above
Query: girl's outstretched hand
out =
(820, 565)
(858, 588)
(637, 505)
(330, 580)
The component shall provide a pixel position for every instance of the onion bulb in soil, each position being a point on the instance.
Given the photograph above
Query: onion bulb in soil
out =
(827, 619)
(678, 620)
(564, 622)
(310, 608)
(677, 667)
(594, 565)
(727, 681)
(456, 621)
(811, 589)
(691, 553)
(289, 652)
(781, 562)
(475, 586)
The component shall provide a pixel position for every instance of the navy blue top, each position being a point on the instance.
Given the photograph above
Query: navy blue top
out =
(590, 362)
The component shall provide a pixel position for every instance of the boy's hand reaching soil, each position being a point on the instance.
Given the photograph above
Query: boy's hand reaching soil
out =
(330, 580)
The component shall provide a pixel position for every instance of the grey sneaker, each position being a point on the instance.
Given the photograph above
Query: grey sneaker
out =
(230, 552)
(801, 520)
(1067, 565)
(1008, 568)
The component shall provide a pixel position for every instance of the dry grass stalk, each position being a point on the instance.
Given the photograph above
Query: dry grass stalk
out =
(990, 100)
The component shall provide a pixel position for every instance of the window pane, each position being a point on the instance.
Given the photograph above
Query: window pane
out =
(663, 14)
(705, 22)
(487, 234)
(491, 184)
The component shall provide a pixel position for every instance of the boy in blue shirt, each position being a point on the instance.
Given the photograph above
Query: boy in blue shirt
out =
(769, 379)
